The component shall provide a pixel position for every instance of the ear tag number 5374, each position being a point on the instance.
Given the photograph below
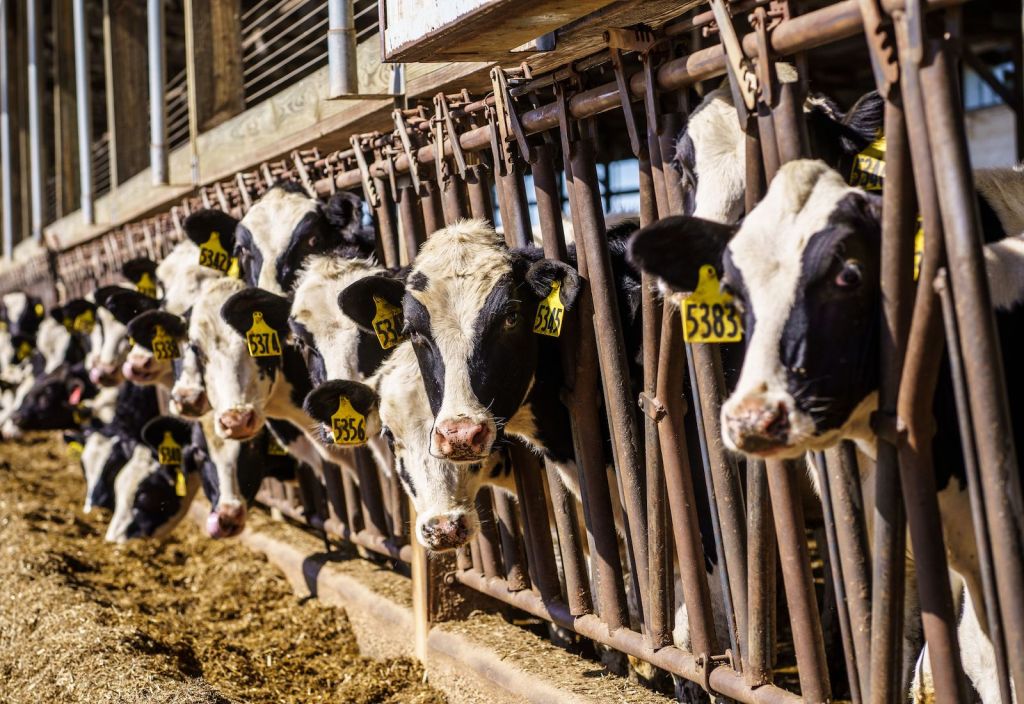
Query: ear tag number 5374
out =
(348, 426)
(709, 314)
(262, 339)
(550, 312)
(387, 323)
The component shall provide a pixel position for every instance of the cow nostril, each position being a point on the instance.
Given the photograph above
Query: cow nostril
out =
(778, 425)
(478, 437)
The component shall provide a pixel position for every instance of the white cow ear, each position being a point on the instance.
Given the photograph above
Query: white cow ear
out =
(542, 274)
(675, 248)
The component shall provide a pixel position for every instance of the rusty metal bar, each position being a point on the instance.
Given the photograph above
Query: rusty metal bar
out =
(479, 192)
(487, 538)
(570, 545)
(387, 228)
(372, 502)
(761, 568)
(433, 209)
(411, 218)
(512, 548)
(536, 525)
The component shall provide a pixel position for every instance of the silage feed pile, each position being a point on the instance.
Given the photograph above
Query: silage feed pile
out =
(192, 620)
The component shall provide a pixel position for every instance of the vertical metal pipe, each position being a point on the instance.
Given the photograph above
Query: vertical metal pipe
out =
(570, 545)
(157, 101)
(487, 540)
(536, 524)
(512, 548)
(433, 210)
(761, 561)
(549, 202)
(35, 119)
(6, 162)
(83, 89)
(342, 73)
(411, 217)
(479, 191)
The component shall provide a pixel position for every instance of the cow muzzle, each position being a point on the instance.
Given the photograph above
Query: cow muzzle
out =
(105, 375)
(757, 425)
(226, 522)
(462, 440)
(238, 424)
(446, 531)
(140, 370)
(191, 403)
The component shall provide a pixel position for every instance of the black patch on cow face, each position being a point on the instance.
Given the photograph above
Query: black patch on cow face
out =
(103, 492)
(135, 268)
(142, 326)
(418, 281)
(686, 163)
(675, 248)
(155, 503)
(310, 236)
(417, 327)
(125, 305)
(369, 354)
(250, 258)
(406, 478)
(829, 345)
(310, 352)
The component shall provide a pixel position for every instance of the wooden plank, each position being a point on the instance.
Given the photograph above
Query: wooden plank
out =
(471, 30)
(126, 61)
(65, 106)
(217, 28)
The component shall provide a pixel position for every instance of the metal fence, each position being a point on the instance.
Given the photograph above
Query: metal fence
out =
(562, 560)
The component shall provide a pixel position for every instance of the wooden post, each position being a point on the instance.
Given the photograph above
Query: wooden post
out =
(65, 109)
(216, 27)
(420, 569)
(124, 32)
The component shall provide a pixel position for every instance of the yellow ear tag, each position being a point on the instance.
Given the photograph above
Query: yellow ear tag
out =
(68, 323)
(262, 339)
(550, 311)
(180, 487)
(163, 345)
(145, 285)
(168, 451)
(39, 310)
(918, 248)
(213, 255)
(3, 324)
(387, 323)
(84, 323)
(348, 426)
(75, 449)
(24, 350)
(709, 314)
(233, 271)
(868, 170)
(274, 447)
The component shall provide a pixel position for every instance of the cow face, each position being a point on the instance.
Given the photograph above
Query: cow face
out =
(54, 402)
(468, 308)
(333, 345)
(180, 276)
(804, 269)
(147, 504)
(23, 314)
(110, 340)
(155, 328)
(287, 226)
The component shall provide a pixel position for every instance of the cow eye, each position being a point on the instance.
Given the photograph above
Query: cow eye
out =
(511, 319)
(850, 275)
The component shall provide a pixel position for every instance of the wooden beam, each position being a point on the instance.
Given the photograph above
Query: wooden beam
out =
(65, 107)
(124, 30)
(217, 32)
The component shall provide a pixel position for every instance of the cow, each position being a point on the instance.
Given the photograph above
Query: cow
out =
(116, 305)
(804, 269)
(58, 401)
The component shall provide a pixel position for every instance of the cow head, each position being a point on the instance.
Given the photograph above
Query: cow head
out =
(54, 402)
(804, 269)
(180, 276)
(110, 341)
(146, 503)
(141, 272)
(156, 328)
(23, 314)
(468, 308)
(287, 226)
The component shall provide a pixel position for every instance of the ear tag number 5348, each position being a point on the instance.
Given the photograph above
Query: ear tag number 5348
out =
(387, 323)
(550, 312)
(709, 314)
(348, 426)
(262, 339)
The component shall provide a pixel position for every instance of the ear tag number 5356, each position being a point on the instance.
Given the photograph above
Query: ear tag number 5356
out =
(387, 323)
(709, 314)
(550, 312)
(163, 345)
(262, 339)
(348, 426)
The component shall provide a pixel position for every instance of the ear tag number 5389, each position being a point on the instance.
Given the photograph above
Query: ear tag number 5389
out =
(709, 314)
(550, 312)
(348, 426)
(262, 339)
(163, 345)
(168, 452)
(387, 323)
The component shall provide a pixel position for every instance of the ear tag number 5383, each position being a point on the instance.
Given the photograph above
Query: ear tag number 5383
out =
(262, 339)
(387, 323)
(550, 312)
(163, 345)
(709, 314)
(348, 426)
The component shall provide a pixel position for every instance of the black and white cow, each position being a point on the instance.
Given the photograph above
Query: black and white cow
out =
(804, 268)
(116, 305)
(58, 401)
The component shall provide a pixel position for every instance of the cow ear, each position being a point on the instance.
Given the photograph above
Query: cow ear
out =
(200, 225)
(142, 326)
(675, 248)
(357, 299)
(238, 310)
(134, 269)
(344, 211)
(101, 294)
(57, 313)
(154, 432)
(322, 403)
(125, 304)
(545, 272)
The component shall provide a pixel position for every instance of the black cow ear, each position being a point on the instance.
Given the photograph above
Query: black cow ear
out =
(134, 269)
(142, 326)
(675, 248)
(323, 402)
(200, 226)
(344, 211)
(357, 299)
(101, 294)
(125, 304)
(155, 431)
(238, 310)
(57, 313)
(542, 274)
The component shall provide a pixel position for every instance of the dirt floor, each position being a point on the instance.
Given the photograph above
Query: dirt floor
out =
(192, 620)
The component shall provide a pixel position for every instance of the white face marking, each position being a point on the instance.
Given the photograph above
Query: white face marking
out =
(104, 404)
(462, 263)
(15, 304)
(108, 342)
(52, 341)
(719, 158)
(768, 251)
(95, 452)
(181, 277)
(139, 466)
(315, 307)
(224, 454)
(271, 222)
(161, 372)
